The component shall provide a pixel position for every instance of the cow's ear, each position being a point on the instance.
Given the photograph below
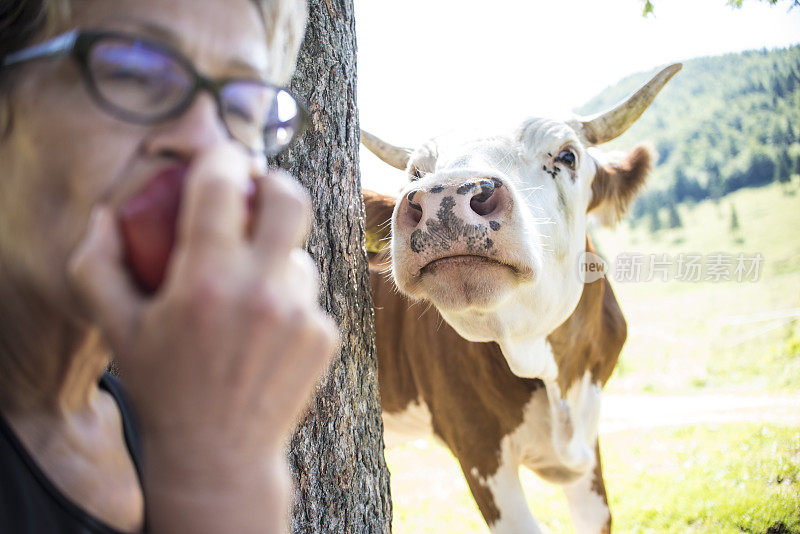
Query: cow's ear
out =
(378, 210)
(619, 178)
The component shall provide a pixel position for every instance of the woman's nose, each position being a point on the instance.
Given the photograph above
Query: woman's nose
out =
(197, 129)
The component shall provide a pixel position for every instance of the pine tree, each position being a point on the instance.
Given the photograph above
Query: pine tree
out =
(797, 164)
(674, 217)
(790, 133)
(783, 169)
(716, 188)
(655, 221)
(734, 219)
(680, 188)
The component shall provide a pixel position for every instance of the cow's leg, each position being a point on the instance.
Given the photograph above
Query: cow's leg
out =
(587, 501)
(574, 422)
(501, 500)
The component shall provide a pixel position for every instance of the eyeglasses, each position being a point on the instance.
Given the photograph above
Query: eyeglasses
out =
(142, 82)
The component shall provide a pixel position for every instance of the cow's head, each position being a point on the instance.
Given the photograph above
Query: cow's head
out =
(491, 230)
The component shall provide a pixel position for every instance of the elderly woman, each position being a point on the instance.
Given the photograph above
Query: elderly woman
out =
(110, 113)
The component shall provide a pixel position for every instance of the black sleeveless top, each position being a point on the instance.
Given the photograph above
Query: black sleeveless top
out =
(31, 504)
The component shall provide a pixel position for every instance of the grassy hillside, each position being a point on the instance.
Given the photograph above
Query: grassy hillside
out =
(722, 123)
(732, 335)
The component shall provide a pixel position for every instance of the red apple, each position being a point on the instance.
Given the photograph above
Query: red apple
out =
(148, 222)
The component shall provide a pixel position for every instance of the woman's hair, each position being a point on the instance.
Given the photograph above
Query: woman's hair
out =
(285, 24)
(22, 22)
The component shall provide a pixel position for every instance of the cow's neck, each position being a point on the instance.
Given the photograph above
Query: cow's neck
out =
(521, 326)
(526, 343)
(530, 358)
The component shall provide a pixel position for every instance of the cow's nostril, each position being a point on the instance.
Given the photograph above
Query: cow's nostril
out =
(484, 201)
(411, 212)
(410, 196)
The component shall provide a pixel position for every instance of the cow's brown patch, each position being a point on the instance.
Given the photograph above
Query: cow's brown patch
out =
(474, 398)
(598, 485)
(379, 210)
(592, 337)
(483, 496)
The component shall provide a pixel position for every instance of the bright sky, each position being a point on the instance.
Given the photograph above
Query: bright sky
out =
(429, 66)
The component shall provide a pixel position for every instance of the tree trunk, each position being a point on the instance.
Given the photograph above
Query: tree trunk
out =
(336, 456)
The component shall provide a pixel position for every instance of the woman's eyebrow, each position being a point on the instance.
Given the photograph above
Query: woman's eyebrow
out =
(247, 69)
(147, 28)
(165, 35)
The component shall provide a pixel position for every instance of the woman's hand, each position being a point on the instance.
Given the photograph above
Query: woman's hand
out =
(219, 362)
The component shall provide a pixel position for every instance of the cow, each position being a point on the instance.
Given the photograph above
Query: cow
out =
(506, 361)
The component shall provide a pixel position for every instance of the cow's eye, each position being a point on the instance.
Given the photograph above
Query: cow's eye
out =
(568, 158)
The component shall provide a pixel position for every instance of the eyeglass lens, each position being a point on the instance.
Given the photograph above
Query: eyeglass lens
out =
(137, 79)
(144, 83)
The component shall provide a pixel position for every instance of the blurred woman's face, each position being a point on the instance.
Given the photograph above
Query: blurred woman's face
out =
(64, 154)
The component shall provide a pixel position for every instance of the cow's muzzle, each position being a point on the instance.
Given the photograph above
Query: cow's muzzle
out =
(468, 213)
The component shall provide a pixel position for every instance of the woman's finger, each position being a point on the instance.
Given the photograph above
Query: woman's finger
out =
(303, 277)
(213, 208)
(298, 364)
(282, 220)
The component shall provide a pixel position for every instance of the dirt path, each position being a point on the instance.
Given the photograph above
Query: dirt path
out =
(635, 411)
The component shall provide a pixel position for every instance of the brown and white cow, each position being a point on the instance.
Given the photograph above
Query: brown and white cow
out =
(492, 232)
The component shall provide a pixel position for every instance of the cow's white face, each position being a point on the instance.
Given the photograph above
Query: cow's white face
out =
(493, 228)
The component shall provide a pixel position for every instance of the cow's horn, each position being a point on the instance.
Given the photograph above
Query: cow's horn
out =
(395, 156)
(610, 124)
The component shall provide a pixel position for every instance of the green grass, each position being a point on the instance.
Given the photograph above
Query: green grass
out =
(716, 479)
(727, 478)
(682, 335)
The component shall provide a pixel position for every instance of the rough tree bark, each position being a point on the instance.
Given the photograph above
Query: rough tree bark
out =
(336, 456)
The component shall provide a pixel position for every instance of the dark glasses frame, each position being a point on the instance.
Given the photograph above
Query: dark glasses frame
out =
(79, 44)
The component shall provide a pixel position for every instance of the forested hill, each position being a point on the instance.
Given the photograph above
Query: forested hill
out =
(722, 123)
